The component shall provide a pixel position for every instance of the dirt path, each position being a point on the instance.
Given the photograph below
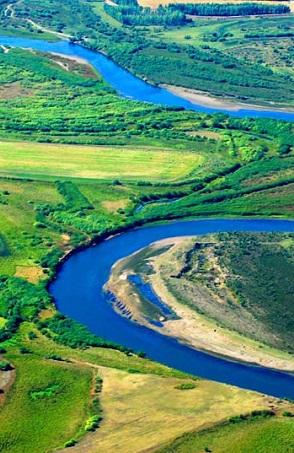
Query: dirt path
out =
(10, 11)
(47, 30)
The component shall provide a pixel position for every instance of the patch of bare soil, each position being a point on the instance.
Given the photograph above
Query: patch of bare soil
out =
(14, 90)
(6, 380)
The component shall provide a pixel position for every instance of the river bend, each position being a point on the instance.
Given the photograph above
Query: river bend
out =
(129, 86)
(78, 293)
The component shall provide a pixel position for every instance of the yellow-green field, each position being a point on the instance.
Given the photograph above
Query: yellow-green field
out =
(144, 411)
(38, 160)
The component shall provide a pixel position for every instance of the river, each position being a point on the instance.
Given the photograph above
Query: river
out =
(78, 293)
(129, 86)
(78, 288)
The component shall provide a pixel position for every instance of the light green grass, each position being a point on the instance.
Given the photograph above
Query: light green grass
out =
(43, 160)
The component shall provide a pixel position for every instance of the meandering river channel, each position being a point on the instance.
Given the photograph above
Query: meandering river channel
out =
(130, 86)
(78, 292)
(78, 289)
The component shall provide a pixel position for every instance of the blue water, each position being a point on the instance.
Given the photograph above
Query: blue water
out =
(147, 291)
(78, 293)
(130, 86)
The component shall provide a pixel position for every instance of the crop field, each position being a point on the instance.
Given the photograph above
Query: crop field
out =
(42, 160)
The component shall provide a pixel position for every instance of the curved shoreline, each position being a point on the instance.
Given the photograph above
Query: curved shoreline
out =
(130, 86)
(191, 329)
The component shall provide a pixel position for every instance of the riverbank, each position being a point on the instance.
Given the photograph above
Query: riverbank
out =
(190, 328)
(207, 100)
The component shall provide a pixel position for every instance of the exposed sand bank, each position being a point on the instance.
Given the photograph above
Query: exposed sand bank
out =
(207, 100)
(72, 57)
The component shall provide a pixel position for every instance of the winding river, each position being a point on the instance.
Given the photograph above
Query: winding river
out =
(130, 86)
(78, 289)
(78, 293)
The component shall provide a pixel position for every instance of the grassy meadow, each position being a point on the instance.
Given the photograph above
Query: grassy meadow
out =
(35, 160)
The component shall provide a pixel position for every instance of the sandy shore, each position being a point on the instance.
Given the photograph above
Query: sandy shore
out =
(191, 328)
(71, 57)
(206, 100)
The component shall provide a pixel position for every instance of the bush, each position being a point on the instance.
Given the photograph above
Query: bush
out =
(185, 386)
(24, 350)
(92, 423)
(5, 366)
(70, 443)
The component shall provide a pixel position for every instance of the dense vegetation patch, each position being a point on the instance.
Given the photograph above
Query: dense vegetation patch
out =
(229, 9)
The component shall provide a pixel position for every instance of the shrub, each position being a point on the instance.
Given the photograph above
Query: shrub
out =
(5, 366)
(185, 386)
(70, 443)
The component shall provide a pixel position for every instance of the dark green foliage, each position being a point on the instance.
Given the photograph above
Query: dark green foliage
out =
(229, 9)
(32, 335)
(51, 259)
(4, 250)
(70, 333)
(74, 199)
(5, 366)
(234, 185)
(24, 350)
(70, 443)
(56, 357)
(20, 300)
(133, 14)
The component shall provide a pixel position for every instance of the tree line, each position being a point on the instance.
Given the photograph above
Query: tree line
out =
(133, 14)
(228, 9)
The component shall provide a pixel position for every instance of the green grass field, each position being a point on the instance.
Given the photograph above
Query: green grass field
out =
(35, 160)
(45, 422)
(269, 435)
